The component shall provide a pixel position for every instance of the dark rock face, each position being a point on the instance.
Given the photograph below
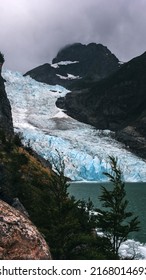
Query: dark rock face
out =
(44, 73)
(19, 238)
(5, 110)
(133, 139)
(93, 61)
(117, 103)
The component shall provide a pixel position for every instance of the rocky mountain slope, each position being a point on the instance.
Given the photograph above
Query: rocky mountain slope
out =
(118, 103)
(19, 238)
(76, 62)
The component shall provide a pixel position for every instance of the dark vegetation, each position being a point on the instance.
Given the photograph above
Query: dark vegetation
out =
(2, 60)
(65, 223)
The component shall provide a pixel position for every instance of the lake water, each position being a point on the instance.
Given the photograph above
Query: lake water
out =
(136, 195)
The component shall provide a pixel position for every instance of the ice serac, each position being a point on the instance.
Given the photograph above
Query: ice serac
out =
(47, 128)
(75, 62)
(19, 238)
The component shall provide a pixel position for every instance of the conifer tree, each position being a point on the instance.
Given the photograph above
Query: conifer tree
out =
(2, 60)
(70, 232)
(114, 220)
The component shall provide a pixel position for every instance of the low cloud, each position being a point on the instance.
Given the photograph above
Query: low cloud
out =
(33, 31)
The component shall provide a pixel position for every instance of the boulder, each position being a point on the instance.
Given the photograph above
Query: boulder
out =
(19, 238)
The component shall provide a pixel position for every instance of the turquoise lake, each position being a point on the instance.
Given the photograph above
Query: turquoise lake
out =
(135, 193)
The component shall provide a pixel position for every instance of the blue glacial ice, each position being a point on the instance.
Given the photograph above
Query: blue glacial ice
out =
(85, 150)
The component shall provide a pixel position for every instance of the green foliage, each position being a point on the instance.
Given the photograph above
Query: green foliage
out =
(69, 230)
(69, 218)
(115, 221)
(87, 247)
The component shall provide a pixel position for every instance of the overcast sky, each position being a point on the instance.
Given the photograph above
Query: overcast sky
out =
(33, 31)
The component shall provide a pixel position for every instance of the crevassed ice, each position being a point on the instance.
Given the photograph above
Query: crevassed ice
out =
(85, 149)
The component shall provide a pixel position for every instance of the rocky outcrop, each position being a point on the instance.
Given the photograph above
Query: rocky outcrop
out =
(117, 103)
(93, 62)
(134, 139)
(5, 110)
(19, 238)
(45, 74)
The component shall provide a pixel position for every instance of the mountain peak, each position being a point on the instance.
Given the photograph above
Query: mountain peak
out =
(81, 52)
(76, 62)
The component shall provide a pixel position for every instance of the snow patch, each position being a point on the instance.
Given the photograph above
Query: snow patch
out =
(68, 77)
(61, 115)
(121, 62)
(56, 65)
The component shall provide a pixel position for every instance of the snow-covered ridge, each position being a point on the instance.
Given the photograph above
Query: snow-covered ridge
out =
(85, 149)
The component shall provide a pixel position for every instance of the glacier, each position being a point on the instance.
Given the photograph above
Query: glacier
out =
(50, 131)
